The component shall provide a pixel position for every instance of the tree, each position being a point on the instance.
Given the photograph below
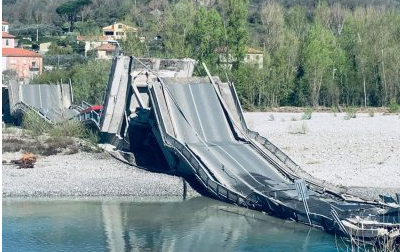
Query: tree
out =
(70, 9)
(319, 59)
(89, 81)
(235, 14)
(88, 28)
(205, 37)
(178, 22)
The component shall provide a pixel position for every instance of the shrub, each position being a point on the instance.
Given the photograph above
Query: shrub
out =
(371, 113)
(307, 114)
(393, 106)
(60, 136)
(68, 128)
(303, 129)
(350, 113)
(35, 124)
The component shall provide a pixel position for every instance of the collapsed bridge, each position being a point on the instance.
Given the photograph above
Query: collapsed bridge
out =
(158, 116)
(195, 127)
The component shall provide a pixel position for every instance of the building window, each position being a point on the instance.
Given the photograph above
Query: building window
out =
(120, 26)
(109, 33)
(120, 33)
(3, 28)
(7, 43)
(34, 64)
(258, 57)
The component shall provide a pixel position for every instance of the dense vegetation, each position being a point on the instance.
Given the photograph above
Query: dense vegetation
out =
(317, 53)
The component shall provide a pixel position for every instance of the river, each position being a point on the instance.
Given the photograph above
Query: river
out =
(197, 224)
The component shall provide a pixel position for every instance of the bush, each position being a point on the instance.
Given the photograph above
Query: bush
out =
(350, 113)
(371, 113)
(35, 124)
(61, 136)
(393, 106)
(68, 128)
(301, 130)
(307, 114)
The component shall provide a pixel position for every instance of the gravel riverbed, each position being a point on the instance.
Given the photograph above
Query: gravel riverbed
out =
(86, 175)
(362, 153)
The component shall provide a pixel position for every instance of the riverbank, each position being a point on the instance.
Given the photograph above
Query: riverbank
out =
(86, 175)
(361, 153)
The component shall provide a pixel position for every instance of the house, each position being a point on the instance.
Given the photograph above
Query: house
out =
(27, 64)
(118, 31)
(253, 56)
(92, 42)
(44, 47)
(105, 51)
(4, 26)
(8, 40)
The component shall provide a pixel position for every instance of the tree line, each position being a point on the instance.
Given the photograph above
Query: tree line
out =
(329, 55)
(333, 53)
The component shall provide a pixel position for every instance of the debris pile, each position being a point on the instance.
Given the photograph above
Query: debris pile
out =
(27, 160)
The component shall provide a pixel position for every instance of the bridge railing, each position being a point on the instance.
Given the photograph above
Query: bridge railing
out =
(25, 108)
(202, 173)
(90, 116)
(256, 136)
(185, 153)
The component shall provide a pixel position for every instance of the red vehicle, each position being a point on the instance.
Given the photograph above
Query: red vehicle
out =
(96, 108)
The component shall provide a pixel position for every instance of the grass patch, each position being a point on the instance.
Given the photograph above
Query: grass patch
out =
(393, 106)
(371, 113)
(302, 130)
(39, 145)
(46, 139)
(35, 124)
(307, 114)
(350, 113)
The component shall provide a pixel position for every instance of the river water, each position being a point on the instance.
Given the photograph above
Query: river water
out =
(197, 224)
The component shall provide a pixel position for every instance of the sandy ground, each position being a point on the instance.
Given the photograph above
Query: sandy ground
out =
(86, 174)
(360, 152)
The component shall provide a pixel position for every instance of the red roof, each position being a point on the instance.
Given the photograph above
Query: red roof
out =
(106, 47)
(18, 52)
(7, 35)
(5, 23)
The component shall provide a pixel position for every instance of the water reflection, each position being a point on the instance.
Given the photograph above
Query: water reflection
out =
(193, 225)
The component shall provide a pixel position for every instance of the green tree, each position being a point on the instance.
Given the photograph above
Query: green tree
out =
(205, 37)
(133, 46)
(319, 59)
(249, 80)
(70, 9)
(89, 81)
(87, 28)
(236, 29)
(178, 22)
(53, 77)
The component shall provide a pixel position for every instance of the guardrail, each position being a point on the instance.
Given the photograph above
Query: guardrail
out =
(25, 108)
(202, 174)
(199, 170)
(273, 149)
